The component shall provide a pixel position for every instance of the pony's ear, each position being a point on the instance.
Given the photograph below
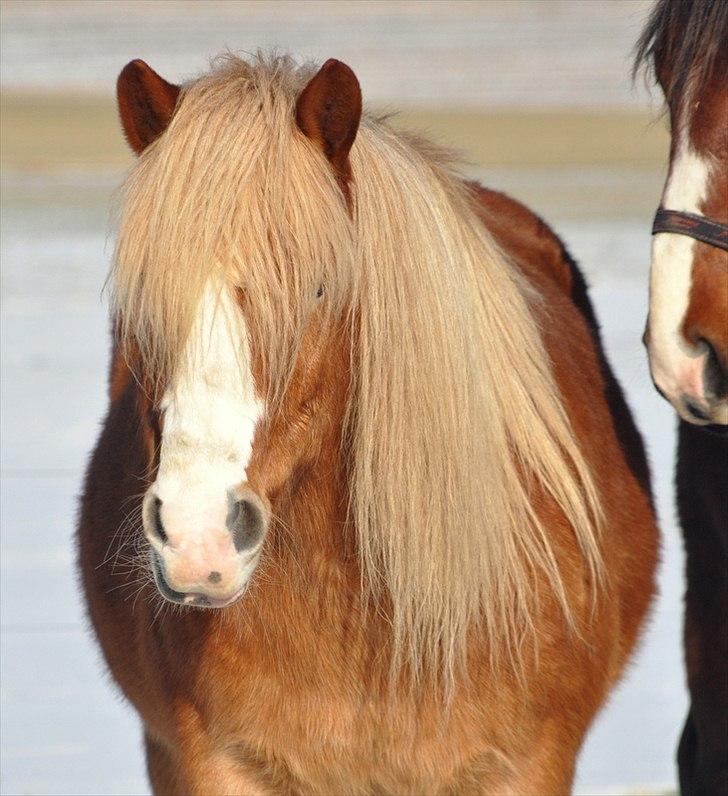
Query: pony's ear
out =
(328, 112)
(146, 104)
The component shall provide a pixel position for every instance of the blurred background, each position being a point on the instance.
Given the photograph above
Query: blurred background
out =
(537, 96)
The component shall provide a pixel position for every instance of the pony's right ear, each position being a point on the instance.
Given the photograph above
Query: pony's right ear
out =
(328, 111)
(146, 104)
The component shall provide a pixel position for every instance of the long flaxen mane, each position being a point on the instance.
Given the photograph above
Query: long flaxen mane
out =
(454, 416)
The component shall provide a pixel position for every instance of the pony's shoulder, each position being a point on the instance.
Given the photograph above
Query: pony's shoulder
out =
(525, 237)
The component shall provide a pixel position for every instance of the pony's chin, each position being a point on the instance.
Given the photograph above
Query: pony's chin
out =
(191, 599)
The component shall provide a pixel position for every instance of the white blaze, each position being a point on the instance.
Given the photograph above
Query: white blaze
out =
(210, 415)
(676, 366)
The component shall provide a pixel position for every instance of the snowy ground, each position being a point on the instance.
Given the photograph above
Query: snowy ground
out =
(64, 728)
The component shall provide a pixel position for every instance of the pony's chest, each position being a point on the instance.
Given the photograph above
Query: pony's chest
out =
(321, 745)
(319, 736)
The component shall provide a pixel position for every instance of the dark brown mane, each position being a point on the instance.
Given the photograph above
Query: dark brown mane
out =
(692, 34)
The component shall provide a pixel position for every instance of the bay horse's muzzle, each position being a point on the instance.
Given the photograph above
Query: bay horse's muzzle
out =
(710, 404)
(200, 562)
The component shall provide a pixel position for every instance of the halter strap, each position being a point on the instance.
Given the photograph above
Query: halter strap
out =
(694, 226)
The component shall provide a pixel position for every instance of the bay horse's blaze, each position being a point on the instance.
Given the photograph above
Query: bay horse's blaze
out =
(687, 331)
(374, 425)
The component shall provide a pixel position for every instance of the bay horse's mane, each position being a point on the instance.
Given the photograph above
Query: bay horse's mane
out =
(455, 422)
(693, 35)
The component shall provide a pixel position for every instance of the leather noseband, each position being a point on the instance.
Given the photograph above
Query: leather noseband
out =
(694, 226)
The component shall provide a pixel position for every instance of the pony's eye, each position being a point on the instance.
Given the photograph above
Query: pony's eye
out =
(320, 291)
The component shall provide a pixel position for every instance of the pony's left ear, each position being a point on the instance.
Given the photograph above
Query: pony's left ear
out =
(328, 112)
(146, 104)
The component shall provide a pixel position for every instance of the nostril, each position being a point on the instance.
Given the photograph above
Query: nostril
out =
(694, 409)
(156, 520)
(715, 375)
(245, 522)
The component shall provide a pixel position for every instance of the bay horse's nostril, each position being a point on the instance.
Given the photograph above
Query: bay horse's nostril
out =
(156, 520)
(694, 409)
(715, 374)
(246, 523)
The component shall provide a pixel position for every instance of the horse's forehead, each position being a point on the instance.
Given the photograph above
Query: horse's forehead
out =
(218, 348)
(705, 115)
(703, 133)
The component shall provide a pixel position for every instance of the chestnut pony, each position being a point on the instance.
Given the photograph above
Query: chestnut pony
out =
(360, 408)
(685, 42)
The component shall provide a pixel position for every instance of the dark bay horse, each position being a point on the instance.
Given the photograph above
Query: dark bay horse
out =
(368, 512)
(685, 43)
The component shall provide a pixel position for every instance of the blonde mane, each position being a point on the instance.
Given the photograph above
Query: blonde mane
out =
(454, 414)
